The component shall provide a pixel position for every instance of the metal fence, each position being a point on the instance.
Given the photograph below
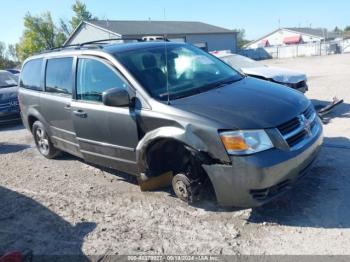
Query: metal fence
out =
(310, 49)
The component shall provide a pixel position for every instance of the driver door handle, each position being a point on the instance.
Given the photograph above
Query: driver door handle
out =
(80, 113)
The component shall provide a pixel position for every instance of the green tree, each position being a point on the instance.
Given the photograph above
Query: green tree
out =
(80, 14)
(40, 33)
(5, 60)
(11, 52)
(347, 28)
(2, 55)
(241, 41)
(337, 30)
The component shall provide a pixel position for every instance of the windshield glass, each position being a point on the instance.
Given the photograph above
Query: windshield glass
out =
(189, 70)
(238, 62)
(7, 80)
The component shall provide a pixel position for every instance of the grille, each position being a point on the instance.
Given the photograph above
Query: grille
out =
(308, 112)
(289, 126)
(269, 192)
(300, 128)
(11, 104)
(9, 117)
(266, 193)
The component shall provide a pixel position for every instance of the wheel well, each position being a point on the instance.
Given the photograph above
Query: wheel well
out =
(166, 155)
(31, 120)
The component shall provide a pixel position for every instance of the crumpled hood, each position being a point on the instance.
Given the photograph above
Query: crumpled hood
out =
(247, 104)
(8, 93)
(280, 75)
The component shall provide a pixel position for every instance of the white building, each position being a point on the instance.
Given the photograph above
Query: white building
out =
(292, 36)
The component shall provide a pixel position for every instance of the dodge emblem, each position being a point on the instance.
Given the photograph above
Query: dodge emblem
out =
(306, 125)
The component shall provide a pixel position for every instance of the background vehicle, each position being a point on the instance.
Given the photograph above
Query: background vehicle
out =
(153, 107)
(15, 72)
(153, 38)
(295, 80)
(9, 108)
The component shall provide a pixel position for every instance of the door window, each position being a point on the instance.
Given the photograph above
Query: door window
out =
(59, 75)
(95, 77)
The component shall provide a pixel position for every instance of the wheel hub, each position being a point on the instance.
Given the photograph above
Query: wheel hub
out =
(181, 189)
(42, 141)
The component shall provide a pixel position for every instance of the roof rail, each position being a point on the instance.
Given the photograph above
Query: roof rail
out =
(96, 44)
(74, 47)
(103, 41)
(142, 39)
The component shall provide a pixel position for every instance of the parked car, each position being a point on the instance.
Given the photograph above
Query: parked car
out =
(250, 67)
(148, 108)
(9, 108)
(14, 71)
(153, 38)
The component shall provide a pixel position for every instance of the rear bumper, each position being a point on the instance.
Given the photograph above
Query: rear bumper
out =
(257, 179)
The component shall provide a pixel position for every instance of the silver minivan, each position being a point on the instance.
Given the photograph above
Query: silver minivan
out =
(147, 108)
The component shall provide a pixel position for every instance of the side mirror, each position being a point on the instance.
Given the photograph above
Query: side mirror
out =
(116, 97)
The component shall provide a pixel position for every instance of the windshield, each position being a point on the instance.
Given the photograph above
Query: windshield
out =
(189, 70)
(238, 62)
(7, 80)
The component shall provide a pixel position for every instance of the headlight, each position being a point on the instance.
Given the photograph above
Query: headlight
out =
(245, 142)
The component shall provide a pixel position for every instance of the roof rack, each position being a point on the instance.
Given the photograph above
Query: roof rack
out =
(103, 41)
(97, 44)
(73, 47)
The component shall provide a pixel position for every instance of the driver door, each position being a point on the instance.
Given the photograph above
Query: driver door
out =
(106, 135)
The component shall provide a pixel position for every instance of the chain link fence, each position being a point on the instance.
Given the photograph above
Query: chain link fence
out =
(309, 49)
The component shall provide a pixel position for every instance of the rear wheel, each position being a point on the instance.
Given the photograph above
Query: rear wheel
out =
(42, 141)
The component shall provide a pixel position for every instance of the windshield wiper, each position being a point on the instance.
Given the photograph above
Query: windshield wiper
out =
(218, 84)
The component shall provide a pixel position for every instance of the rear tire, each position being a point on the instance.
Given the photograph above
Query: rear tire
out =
(43, 142)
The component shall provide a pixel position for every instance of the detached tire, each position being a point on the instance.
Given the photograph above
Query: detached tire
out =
(182, 187)
(43, 142)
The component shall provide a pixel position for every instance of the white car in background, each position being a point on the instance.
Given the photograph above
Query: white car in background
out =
(250, 67)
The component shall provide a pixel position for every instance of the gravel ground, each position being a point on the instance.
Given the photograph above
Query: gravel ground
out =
(65, 206)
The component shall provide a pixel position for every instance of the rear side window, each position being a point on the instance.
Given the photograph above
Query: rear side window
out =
(31, 75)
(95, 77)
(59, 75)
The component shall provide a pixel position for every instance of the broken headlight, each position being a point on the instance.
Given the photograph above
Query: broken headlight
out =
(245, 142)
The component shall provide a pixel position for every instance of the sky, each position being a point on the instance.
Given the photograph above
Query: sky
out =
(256, 17)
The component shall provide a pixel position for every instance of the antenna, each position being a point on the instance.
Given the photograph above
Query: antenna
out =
(166, 60)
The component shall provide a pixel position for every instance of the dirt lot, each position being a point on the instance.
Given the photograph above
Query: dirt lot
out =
(65, 206)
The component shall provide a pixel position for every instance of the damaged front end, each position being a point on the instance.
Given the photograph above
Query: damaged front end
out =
(173, 156)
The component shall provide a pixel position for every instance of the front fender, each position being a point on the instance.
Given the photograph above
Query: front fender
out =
(183, 135)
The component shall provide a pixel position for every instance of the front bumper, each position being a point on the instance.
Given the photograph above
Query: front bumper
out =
(257, 179)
